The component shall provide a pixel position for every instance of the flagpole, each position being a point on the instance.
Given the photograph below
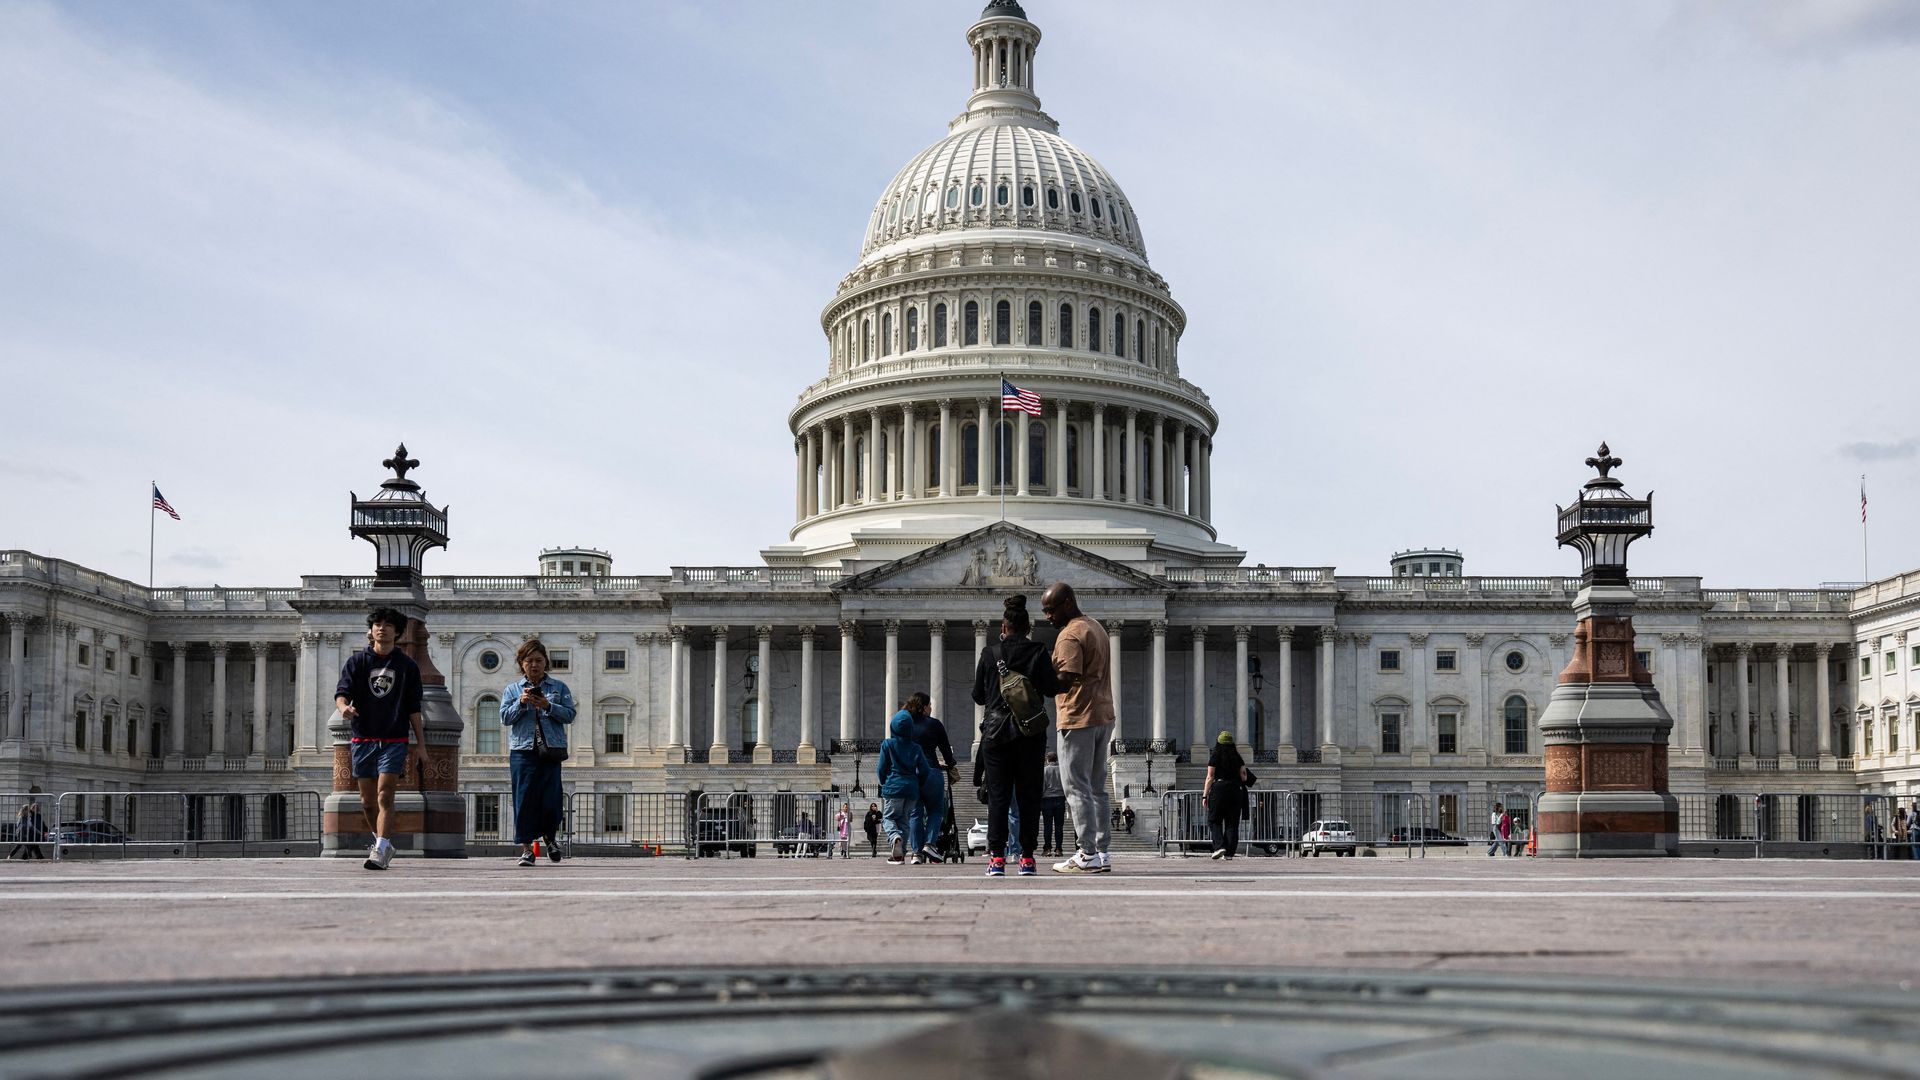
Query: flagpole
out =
(152, 487)
(1865, 574)
(996, 446)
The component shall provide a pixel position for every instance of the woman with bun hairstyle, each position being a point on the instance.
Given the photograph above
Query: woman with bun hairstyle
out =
(1010, 764)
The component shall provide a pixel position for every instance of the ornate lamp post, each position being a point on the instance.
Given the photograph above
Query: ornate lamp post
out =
(403, 526)
(1605, 729)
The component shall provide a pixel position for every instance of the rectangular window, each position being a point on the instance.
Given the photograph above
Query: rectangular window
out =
(486, 815)
(616, 659)
(1449, 813)
(486, 738)
(1892, 665)
(613, 813)
(559, 660)
(83, 654)
(1446, 660)
(1866, 737)
(159, 673)
(80, 729)
(616, 727)
(110, 660)
(1866, 667)
(1448, 732)
(1389, 659)
(1893, 735)
(1516, 731)
(133, 666)
(1390, 733)
(1644, 658)
(1916, 656)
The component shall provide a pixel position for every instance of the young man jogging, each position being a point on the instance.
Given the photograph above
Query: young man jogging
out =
(379, 694)
(1081, 657)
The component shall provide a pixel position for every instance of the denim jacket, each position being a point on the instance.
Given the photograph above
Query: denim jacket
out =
(553, 722)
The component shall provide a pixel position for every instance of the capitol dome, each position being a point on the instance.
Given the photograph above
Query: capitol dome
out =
(1003, 258)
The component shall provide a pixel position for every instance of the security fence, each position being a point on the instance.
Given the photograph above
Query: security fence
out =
(1843, 823)
(1278, 822)
(748, 824)
(655, 822)
(178, 823)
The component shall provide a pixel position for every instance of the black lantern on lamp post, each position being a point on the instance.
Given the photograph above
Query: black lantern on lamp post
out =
(1602, 522)
(400, 523)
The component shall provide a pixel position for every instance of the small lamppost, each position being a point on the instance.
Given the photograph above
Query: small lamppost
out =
(1602, 522)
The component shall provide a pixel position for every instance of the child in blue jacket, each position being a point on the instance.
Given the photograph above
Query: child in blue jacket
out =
(903, 771)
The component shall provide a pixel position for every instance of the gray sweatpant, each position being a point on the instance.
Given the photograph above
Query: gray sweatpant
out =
(1083, 771)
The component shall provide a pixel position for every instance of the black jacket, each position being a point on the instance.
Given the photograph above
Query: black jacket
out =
(1022, 654)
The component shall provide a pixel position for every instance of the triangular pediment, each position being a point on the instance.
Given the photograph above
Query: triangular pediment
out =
(1001, 557)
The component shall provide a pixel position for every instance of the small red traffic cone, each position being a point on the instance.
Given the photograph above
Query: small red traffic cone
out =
(536, 849)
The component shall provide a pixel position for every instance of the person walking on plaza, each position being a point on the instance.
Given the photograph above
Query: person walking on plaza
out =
(1913, 828)
(903, 772)
(29, 828)
(536, 708)
(1053, 807)
(1873, 833)
(1010, 763)
(1493, 829)
(379, 695)
(931, 811)
(1224, 795)
(872, 825)
(1082, 656)
(842, 829)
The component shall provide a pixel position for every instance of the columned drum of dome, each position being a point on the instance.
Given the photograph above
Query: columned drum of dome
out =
(1003, 252)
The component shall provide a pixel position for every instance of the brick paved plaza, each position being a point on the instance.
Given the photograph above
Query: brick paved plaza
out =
(1741, 922)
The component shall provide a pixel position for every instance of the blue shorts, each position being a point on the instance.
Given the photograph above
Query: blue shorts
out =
(371, 759)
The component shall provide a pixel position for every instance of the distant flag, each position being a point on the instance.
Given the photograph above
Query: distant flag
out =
(1863, 500)
(160, 503)
(1014, 399)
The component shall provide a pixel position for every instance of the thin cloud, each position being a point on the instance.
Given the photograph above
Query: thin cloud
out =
(1882, 451)
(55, 474)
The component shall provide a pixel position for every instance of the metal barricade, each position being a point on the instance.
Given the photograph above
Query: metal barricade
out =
(1267, 825)
(109, 823)
(782, 823)
(652, 821)
(1474, 822)
(27, 820)
(1378, 820)
(177, 823)
(1826, 823)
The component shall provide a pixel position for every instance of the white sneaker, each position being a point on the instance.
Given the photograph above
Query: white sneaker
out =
(1106, 862)
(1220, 854)
(385, 854)
(374, 862)
(1078, 863)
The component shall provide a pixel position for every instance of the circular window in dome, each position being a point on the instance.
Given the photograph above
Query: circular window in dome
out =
(489, 661)
(978, 196)
(1073, 200)
(1002, 195)
(1516, 660)
(1096, 206)
(953, 197)
(1053, 198)
(1026, 196)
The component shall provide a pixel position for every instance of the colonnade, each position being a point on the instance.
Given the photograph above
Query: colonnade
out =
(1123, 454)
(1736, 711)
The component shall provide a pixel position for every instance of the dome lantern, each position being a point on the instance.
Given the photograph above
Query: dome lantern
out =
(1003, 43)
(1603, 521)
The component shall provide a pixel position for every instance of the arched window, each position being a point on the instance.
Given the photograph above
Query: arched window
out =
(1119, 334)
(1003, 323)
(970, 455)
(933, 455)
(1140, 339)
(486, 725)
(1073, 201)
(913, 328)
(1093, 329)
(1515, 712)
(1003, 452)
(953, 197)
(1026, 196)
(970, 324)
(1066, 326)
(939, 326)
(1036, 453)
(931, 203)
(978, 196)
(1096, 207)
(866, 340)
(1002, 195)
(886, 333)
(1053, 198)
(1033, 323)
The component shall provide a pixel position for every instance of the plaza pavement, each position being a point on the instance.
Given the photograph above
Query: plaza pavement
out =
(1740, 922)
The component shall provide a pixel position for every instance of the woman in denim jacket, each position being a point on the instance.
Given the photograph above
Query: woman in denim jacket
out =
(535, 699)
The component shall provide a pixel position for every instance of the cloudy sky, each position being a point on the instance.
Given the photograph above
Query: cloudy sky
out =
(575, 255)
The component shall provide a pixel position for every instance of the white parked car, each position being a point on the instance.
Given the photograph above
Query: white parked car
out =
(1329, 835)
(977, 837)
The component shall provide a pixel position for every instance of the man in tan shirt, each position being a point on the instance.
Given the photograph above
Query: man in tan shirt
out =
(1082, 656)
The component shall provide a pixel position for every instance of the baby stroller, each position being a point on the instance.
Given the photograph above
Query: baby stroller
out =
(951, 845)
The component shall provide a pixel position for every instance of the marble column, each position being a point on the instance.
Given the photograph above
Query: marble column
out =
(947, 451)
(17, 679)
(1060, 428)
(892, 679)
(763, 702)
(1020, 450)
(1160, 496)
(849, 462)
(306, 707)
(1099, 452)
(219, 696)
(984, 448)
(717, 753)
(1742, 731)
(259, 747)
(1131, 459)
(676, 666)
(1241, 634)
(1286, 685)
(813, 471)
(1116, 633)
(1206, 479)
(979, 646)
(937, 665)
(1198, 721)
(910, 452)
(1323, 688)
(1158, 628)
(1823, 696)
(1181, 480)
(1782, 703)
(871, 474)
(849, 705)
(799, 479)
(808, 751)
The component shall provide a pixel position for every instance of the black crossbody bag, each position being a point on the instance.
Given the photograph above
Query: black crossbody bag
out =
(541, 750)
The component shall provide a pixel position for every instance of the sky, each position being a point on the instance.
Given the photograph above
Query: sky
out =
(575, 256)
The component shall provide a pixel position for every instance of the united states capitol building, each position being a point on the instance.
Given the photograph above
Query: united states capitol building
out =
(1001, 251)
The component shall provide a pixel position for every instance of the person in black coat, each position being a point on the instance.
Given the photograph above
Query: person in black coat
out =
(1225, 794)
(1010, 764)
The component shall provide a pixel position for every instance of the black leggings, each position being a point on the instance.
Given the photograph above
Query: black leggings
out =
(1226, 833)
(1013, 773)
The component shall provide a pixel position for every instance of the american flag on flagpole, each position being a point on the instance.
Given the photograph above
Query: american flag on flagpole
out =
(1863, 500)
(1014, 399)
(160, 503)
